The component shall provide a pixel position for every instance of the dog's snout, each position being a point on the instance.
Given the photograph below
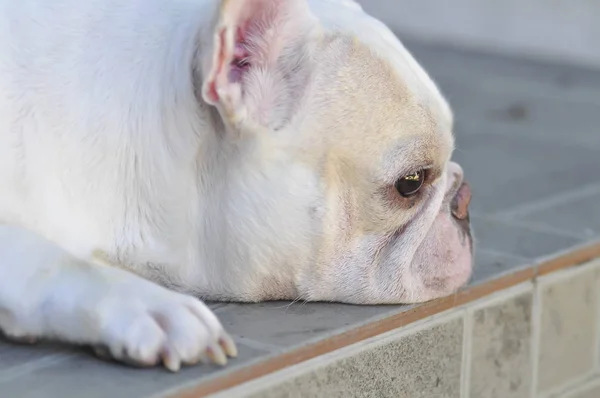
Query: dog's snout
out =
(460, 202)
(455, 171)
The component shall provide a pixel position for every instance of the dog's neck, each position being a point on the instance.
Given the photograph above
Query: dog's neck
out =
(181, 152)
(208, 239)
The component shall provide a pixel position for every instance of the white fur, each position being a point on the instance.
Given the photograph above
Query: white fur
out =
(82, 114)
(115, 179)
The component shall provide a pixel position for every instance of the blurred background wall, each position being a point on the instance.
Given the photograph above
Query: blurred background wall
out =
(566, 31)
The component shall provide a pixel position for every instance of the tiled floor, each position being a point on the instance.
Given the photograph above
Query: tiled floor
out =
(529, 139)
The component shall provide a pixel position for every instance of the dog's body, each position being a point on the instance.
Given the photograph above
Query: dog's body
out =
(238, 150)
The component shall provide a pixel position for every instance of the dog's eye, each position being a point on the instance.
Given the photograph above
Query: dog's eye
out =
(409, 185)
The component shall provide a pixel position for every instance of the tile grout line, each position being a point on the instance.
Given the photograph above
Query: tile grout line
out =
(467, 127)
(545, 204)
(465, 376)
(593, 383)
(220, 308)
(256, 344)
(32, 366)
(500, 253)
(571, 385)
(537, 90)
(471, 308)
(532, 226)
(536, 315)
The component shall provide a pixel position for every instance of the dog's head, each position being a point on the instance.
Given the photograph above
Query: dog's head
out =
(332, 179)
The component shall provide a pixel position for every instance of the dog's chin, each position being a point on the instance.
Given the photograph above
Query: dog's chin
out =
(444, 262)
(440, 267)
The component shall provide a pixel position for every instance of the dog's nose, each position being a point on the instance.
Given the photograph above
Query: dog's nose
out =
(460, 202)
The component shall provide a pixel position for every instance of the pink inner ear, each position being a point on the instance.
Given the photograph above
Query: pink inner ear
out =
(252, 43)
(258, 37)
(233, 65)
(241, 58)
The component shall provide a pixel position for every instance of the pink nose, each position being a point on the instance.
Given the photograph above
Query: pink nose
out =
(460, 202)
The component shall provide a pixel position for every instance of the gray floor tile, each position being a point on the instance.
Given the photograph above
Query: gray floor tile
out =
(492, 265)
(580, 216)
(448, 63)
(287, 326)
(518, 241)
(85, 376)
(22, 358)
(507, 171)
(574, 124)
(215, 305)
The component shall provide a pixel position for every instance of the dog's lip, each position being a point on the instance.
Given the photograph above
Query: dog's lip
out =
(460, 202)
(464, 228)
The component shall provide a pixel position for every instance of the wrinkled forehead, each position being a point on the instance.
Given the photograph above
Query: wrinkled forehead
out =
(377, 103)
(383, 105)
(347, 17)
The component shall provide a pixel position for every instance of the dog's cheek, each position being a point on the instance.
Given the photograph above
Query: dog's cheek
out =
(443, 262)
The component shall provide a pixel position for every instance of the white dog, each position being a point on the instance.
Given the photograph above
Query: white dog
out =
(154, 151)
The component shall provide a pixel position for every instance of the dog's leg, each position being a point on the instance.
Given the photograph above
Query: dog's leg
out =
(45, 292)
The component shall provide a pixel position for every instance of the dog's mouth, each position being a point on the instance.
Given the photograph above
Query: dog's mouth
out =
(459, 209)
(464, 229)
(461, 201)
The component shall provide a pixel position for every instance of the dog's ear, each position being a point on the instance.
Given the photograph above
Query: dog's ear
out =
(252, 42)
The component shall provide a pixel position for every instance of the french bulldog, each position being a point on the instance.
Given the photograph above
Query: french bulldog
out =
(156, 153)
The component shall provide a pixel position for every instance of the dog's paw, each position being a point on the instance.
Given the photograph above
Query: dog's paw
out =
(51, 295)
(168, 327)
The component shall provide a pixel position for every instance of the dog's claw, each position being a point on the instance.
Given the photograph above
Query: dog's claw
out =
(170, 361)
(216, 354)
(228, 345)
